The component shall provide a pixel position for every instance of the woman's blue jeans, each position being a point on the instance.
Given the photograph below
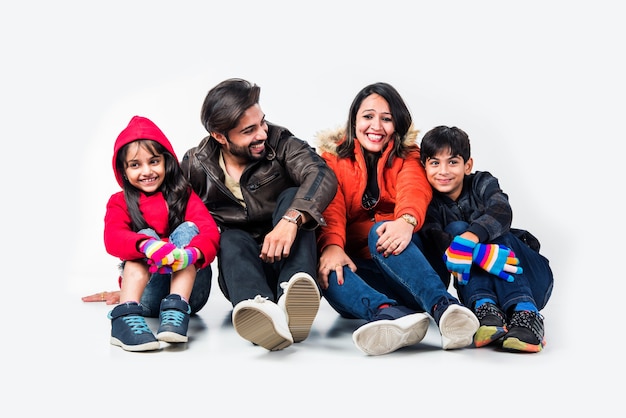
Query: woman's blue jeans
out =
(534, 284)
(158, 286)
(405, 279)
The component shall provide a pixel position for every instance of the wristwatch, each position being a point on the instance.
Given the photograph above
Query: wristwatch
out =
(410, 219)
(294, 216)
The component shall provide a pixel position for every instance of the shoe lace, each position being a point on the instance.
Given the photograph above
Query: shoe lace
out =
(172, 317)
(529, 320)
(260, 299)
(137, 324)
(489, 309)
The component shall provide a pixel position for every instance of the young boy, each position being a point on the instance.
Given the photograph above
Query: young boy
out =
(497, 270)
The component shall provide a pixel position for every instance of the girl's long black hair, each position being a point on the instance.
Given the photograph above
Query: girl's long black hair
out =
(175, 188)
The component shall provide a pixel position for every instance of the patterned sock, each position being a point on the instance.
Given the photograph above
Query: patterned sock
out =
(482, 301)
(526, 306)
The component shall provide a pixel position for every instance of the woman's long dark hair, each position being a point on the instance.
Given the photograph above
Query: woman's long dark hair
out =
(175, 188)
(402, 119)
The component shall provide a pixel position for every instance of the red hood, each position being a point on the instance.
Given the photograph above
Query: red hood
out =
(139, 128)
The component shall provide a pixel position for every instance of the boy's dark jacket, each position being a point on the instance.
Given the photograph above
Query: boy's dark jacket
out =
(482, 204)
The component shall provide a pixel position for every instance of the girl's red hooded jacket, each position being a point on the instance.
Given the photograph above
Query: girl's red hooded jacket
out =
(119, 239)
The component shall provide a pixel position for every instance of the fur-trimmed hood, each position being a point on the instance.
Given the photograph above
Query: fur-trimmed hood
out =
(327, 140)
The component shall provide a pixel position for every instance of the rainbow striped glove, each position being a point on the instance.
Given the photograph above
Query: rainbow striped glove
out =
(497, 260)
(159, 253)
(458, 258)
(188, 256)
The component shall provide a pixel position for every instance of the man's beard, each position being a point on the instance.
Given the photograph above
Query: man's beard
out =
(245, 153)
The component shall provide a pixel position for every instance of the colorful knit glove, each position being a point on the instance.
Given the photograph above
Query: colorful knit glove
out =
(159, 253)
(188, 256)
(497, 260)
(458, 258)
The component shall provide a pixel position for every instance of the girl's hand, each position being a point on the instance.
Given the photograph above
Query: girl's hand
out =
(111, 298)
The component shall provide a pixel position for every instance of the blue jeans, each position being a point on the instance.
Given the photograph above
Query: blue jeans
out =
(533, 285)
(405, 279)
(243, 275)
(158, 286)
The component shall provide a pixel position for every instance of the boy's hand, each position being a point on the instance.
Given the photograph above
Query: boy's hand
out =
(497, 260)
(458, 258)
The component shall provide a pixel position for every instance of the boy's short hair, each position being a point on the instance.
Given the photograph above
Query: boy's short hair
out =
(442, 138)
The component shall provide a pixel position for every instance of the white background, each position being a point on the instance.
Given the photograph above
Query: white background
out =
(538, 85)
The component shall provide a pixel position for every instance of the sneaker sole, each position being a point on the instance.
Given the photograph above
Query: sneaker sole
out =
(171, 337)
(457, 326)
(385, 336)
(256, 327)
(302, 302)
(487, 334)
(514, 344)
(150, 346)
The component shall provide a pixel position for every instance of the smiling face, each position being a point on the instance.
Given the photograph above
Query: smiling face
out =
(445, 173)
(374, 124)
(143, 168)
(246, 141)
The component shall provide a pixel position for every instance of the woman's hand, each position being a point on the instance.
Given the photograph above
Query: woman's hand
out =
(333, 258)
(394, 237)
(111, 298)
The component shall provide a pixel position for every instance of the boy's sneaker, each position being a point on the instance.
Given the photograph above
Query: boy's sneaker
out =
(300, 301)
(174, 317)
(129, 329)
(391, 328)
(492, 324)
(525, 332)
(457, 324)
(262, 322)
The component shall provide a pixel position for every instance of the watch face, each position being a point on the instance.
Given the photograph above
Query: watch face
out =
(294, 216)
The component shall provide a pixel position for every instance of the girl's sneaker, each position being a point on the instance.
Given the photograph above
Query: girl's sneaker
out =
(174, 318)
(129, 329)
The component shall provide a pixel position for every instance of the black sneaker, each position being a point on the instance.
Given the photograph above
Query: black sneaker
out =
(129, 329)
(174, 318)
(525, 332)
(492, 324)
(391, 328)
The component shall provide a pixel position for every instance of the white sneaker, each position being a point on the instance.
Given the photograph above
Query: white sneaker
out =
(263, 323)
(387, 335)
(300, 301)
(457, 326)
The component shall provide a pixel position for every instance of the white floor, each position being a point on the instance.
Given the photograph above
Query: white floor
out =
(325, 374)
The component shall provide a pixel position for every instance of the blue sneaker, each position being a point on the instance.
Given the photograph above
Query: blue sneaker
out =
(391, 328)
(174, 318)
(129, 329)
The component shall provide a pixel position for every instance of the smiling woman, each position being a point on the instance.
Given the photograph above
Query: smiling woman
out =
(371, 232)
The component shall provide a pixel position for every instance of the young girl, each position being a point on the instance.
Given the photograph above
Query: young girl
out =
(161, 230)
